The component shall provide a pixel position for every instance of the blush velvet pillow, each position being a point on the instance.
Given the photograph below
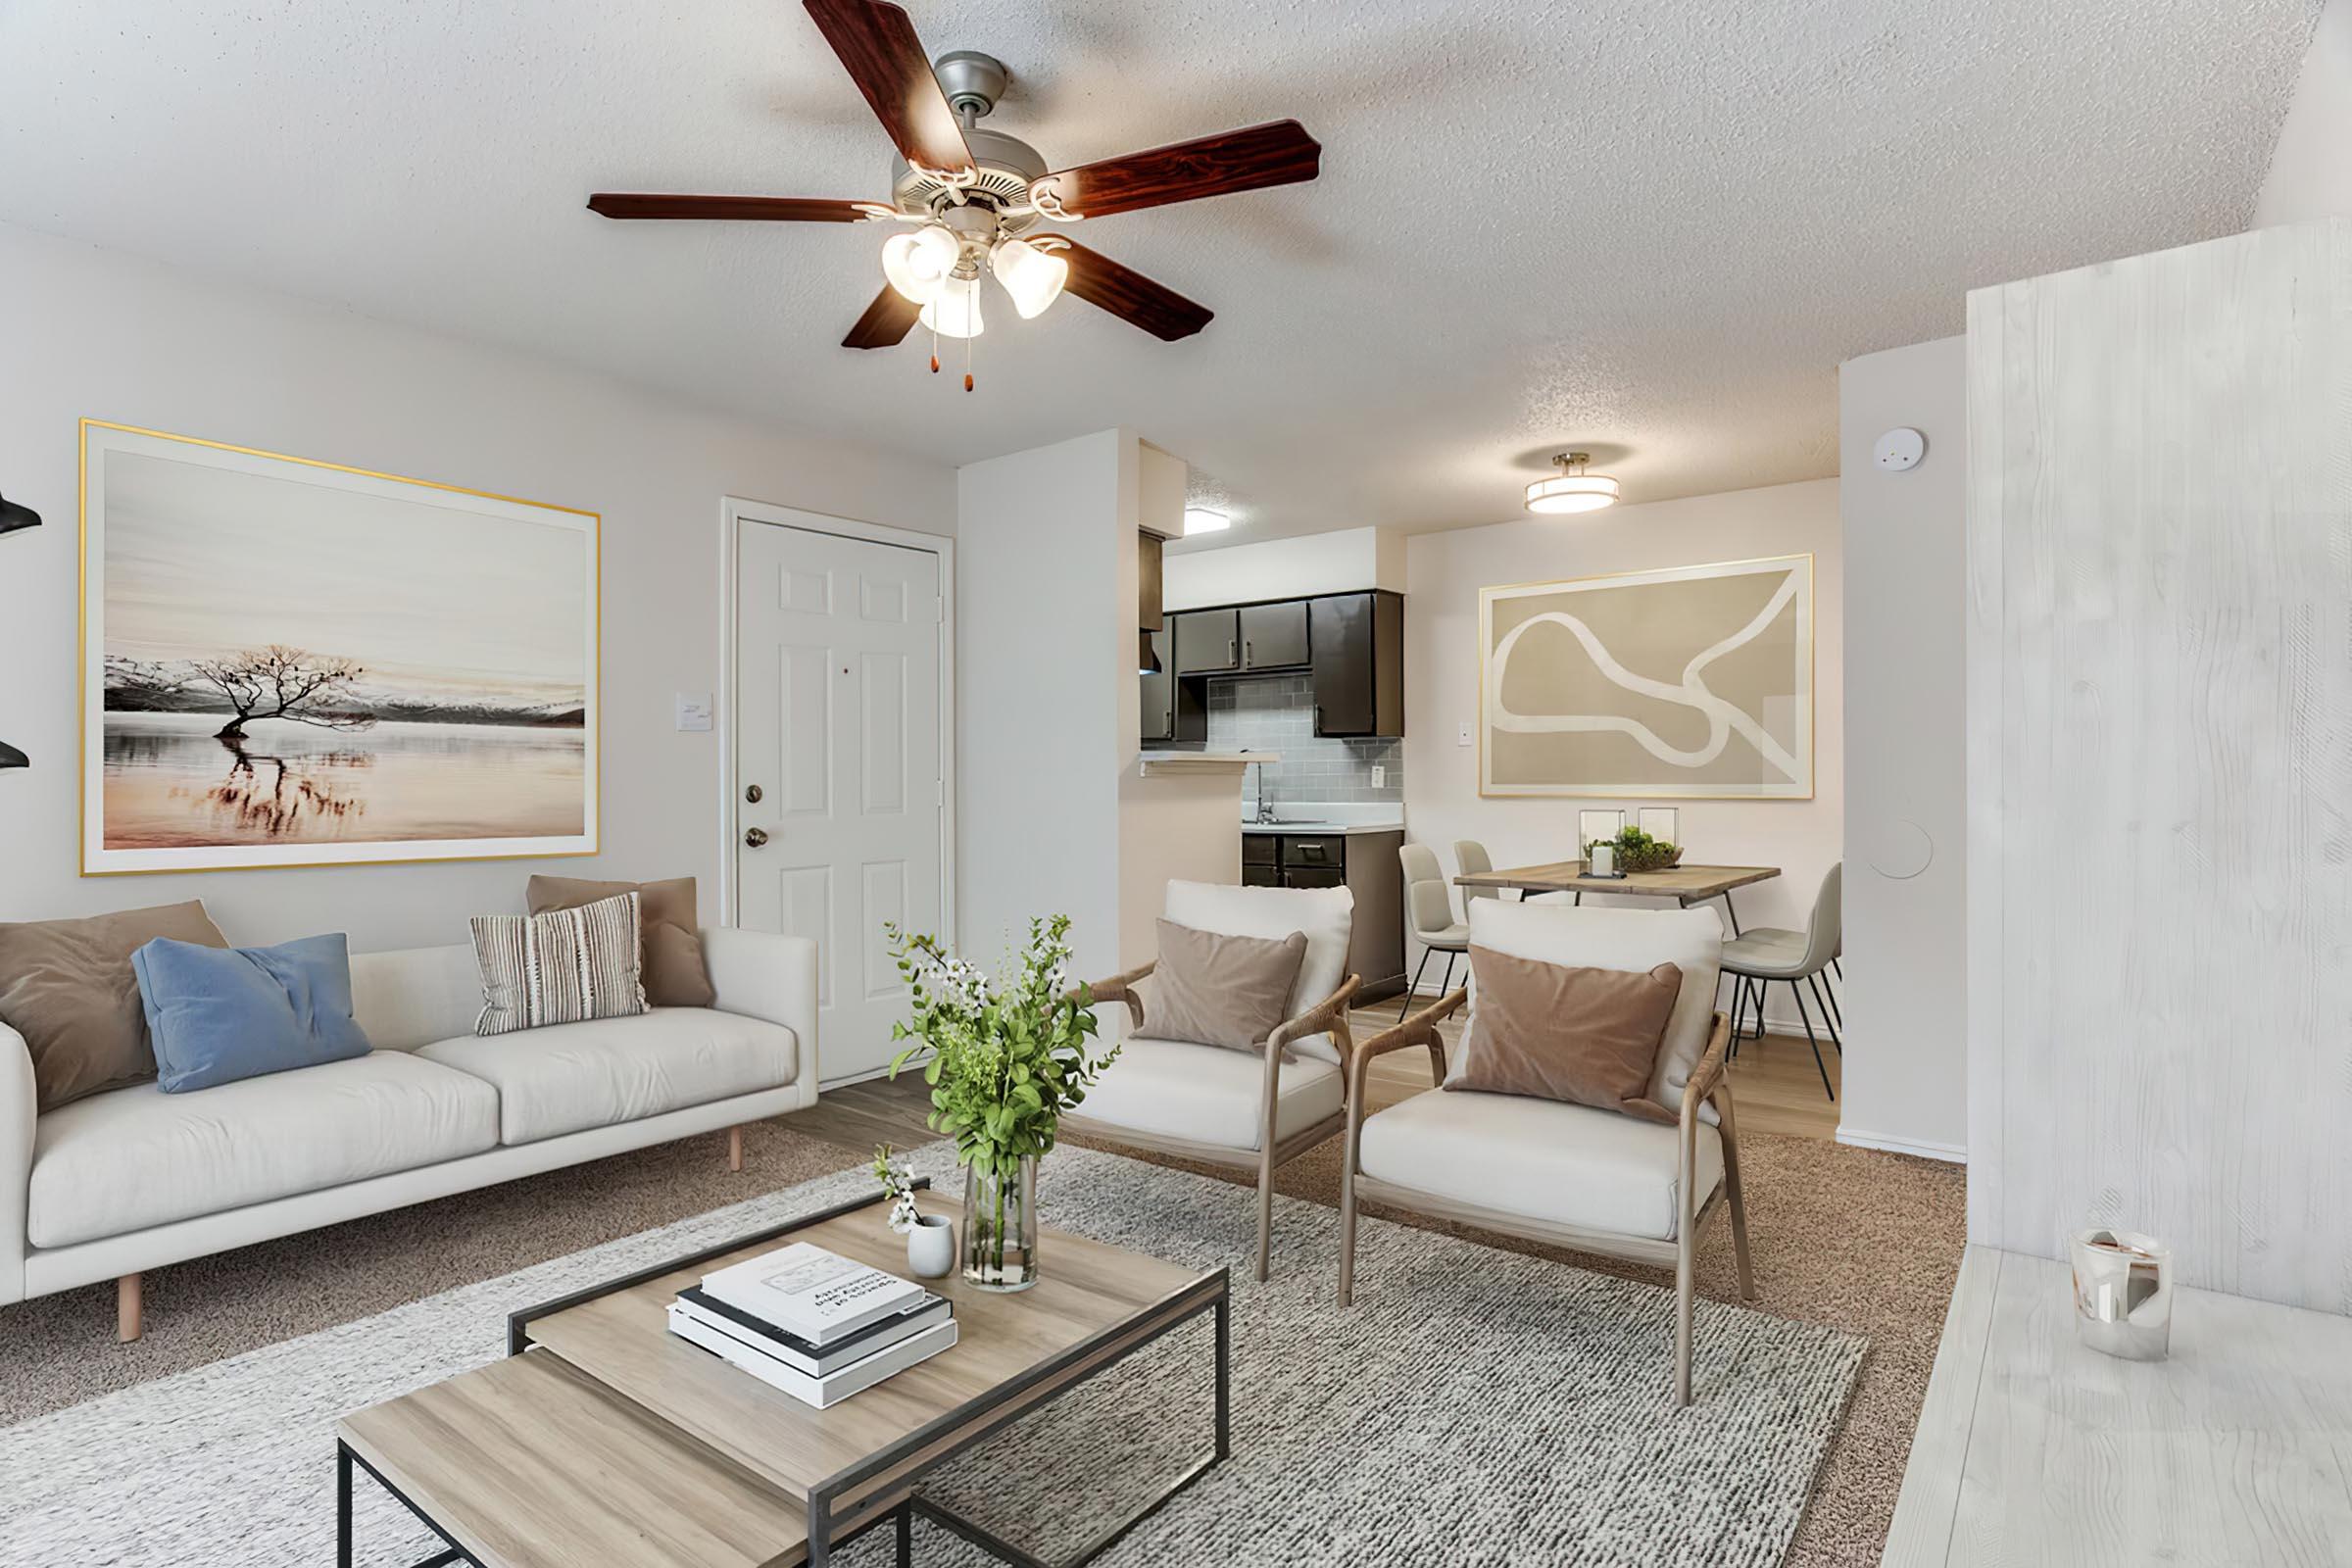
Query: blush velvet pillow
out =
(1216, 990)
(1589, 1037)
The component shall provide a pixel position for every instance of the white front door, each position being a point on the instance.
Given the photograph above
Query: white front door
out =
(839, 797)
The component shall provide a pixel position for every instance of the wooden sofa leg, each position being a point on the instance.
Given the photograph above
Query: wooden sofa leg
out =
(127, 1326)
(735, 1147)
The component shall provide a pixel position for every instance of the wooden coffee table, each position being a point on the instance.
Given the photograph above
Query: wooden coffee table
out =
(604, 1437)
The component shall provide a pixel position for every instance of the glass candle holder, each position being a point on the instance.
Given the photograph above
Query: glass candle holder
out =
(2123, 1294)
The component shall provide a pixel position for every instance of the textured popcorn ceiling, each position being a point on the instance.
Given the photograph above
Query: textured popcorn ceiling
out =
(1650, 227)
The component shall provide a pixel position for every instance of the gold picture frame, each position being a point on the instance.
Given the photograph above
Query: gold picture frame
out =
(480, 737)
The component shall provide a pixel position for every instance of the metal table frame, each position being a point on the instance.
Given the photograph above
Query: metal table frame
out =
(957, 1430)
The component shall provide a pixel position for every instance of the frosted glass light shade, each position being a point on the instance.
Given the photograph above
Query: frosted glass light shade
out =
(1572, 492)
(1032, 278)
(917, 264)
(956, 312)
(1200, 519)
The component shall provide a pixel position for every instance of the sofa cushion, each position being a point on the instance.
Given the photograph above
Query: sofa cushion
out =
(67, 986)
(415, 995)
(1326, 914)
(1208, 1094)
(564, 1078)
(1573, 1165)
(675, 973)
(217, 1015)
(133, 1158)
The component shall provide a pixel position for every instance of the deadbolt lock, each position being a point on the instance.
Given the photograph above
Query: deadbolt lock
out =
(754, 793)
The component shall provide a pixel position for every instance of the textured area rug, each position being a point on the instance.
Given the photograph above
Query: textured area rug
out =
(1474, 1406)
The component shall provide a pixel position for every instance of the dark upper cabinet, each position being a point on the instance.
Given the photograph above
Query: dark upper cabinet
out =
(1274, 636)
(1159, 692)
(1208, 642)
(1358, 643)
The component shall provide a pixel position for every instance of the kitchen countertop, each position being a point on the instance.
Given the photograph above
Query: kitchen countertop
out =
(1324, 829)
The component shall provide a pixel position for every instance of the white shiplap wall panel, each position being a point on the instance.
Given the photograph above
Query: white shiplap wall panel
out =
(2159, 769)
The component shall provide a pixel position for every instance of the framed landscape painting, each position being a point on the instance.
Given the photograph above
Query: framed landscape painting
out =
(1690, 683)
(290, 662)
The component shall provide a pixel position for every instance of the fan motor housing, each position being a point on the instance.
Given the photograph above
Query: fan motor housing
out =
(1006, 164)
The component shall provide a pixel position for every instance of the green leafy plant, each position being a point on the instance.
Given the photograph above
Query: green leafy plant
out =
(1637, 851)
(1005, 1060)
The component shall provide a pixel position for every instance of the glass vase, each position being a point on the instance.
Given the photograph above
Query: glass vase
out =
(1000, 1228)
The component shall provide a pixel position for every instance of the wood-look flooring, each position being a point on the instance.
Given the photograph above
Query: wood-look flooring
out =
(1773, 1081)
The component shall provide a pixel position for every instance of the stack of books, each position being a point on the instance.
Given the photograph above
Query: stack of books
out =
(813, 1323)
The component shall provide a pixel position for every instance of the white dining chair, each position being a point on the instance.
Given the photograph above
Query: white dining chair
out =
(1429, 907)
(1757, 960)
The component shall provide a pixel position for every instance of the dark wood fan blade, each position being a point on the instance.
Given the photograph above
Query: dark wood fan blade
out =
(757, 209)
(1279, 154)
(1131, 296)
(886, 321)
(877, 42)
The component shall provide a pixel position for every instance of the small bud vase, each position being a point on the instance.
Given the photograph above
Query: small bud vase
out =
(1000, 1228)
(931, 1248)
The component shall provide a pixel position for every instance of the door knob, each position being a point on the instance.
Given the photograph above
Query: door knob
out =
(754, 836)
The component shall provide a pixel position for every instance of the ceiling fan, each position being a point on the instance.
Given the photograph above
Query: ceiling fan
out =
(971, 199)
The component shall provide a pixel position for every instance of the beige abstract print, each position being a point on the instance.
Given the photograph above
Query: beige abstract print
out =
(1692, 682)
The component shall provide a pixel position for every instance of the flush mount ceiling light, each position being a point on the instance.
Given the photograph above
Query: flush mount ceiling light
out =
(1572, 489)
(1200, 519)
(977, 196)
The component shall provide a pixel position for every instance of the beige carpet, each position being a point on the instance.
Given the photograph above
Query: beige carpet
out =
(1855, 1239)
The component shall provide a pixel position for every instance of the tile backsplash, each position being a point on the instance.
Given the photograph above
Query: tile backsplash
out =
(1277, 713)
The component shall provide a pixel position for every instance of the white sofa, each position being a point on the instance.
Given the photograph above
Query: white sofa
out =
(133, 1179)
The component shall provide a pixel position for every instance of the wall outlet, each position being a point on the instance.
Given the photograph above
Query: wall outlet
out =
(1463, 737)
(1380, 776)
(694, 710)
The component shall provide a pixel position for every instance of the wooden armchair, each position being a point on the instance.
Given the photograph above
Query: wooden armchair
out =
(1595, 1180)
(1232, 1108)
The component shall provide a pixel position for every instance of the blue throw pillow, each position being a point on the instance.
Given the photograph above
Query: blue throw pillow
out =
(218, 1014)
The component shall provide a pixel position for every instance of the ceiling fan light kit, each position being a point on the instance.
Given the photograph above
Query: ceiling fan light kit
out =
(1572, 489)
(977, 196)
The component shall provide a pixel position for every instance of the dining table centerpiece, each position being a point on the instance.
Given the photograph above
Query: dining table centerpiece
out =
(1005, 1060)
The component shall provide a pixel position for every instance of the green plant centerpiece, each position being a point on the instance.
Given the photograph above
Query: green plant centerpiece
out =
(1006, 1061)
(1636, 851)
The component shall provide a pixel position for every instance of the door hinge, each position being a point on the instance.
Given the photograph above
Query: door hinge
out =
(939, 792)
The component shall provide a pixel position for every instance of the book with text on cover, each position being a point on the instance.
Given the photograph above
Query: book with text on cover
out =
(811, 1293)
(816, 1360)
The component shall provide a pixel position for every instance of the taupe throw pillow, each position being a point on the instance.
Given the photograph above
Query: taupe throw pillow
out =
(675, 973)
(563, 966)
(67, 986)
(1586, 1036)
(1216, 990)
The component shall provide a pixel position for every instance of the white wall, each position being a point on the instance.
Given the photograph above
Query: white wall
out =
(1044, 643)
(2159, 740)
(90, 332)
(1906, 754)
(2311, 173)
(1445, 572)
(1344, 561)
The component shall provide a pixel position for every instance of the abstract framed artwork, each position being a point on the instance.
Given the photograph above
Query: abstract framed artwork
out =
(1689, 683)
(291, 663)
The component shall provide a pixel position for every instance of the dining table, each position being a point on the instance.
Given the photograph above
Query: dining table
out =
(1684, 884)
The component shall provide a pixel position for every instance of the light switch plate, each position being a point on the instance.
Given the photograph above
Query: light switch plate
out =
(1380, 776)
(694, 711)
(1464, 739)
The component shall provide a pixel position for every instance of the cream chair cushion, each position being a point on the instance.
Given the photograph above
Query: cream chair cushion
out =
(566, 1078)
(1325, 914)
(137, 1157)
(1543, 1159)
(1632, 940)
(1209, 1094)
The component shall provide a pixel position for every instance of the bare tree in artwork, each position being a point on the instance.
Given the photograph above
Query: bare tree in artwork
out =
(281, 682)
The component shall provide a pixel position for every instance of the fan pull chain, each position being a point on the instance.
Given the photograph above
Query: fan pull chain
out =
(967, 342)
(935, 348)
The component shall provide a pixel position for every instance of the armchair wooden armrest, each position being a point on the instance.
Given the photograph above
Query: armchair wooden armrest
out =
(1118, 988)
(1707, 1077)
(1421, 1029)
(1328, 1016)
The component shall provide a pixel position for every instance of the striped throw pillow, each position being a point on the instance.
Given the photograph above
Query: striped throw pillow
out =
(563, 966)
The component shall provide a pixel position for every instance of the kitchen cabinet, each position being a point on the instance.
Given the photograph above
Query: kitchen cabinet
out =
(1364, 863)
(1172, 710)
(1274, 636)
(1208, 642)
(1358, 646)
